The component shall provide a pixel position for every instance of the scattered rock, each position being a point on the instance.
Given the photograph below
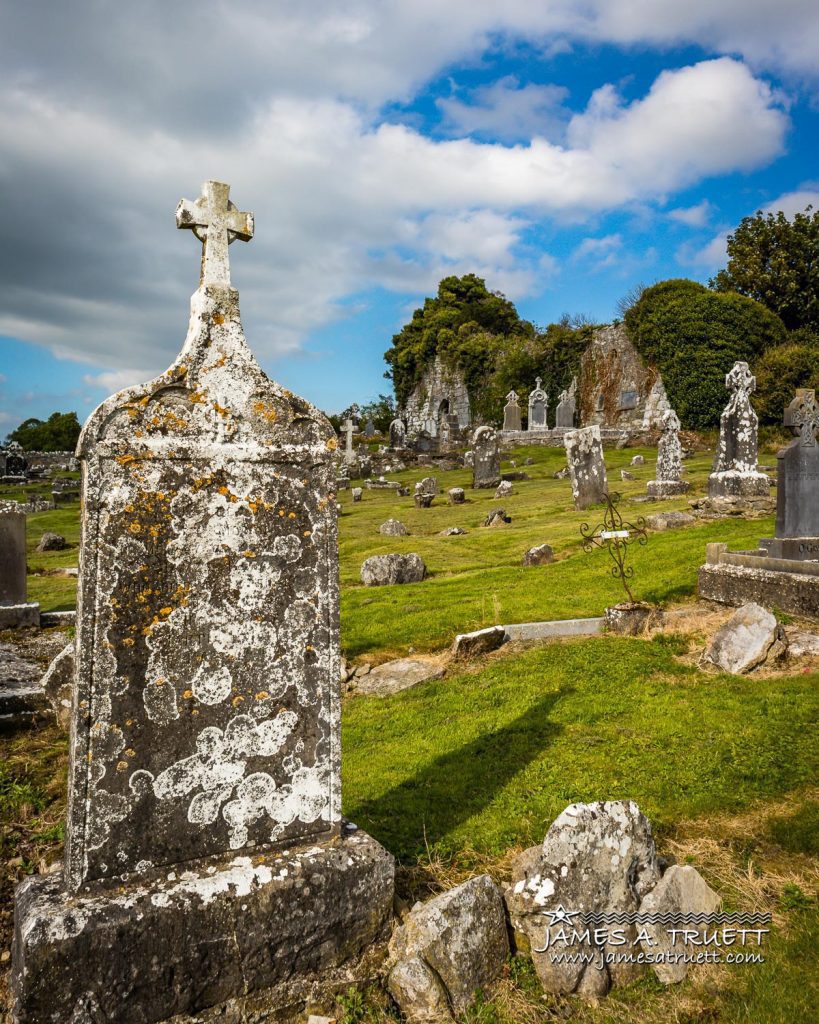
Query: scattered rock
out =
(429, 485)
(453, 531)
(482, 641)
(22, 700)
(515, 476)
(682, 891)
(447, 949)
(802, 644)
(394, 676)
(751, 636)
(497, 517)
(625, 475)
(51, 542)
(669, 520)
(58, 684)
(505, 489)
(393, 528)
(423, 500)
(631, 618)
(561, 474)
(402, 492)
(457, 496)
(357, 493)
(540, 555)
(596, 858)
(383, 570)
(638, 460)
(528, 461)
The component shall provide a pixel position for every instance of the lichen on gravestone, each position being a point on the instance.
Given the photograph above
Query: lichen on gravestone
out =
(206, 718)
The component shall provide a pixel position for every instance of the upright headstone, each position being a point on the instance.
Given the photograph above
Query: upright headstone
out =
(564, 414)
(369, 428)
(538, 407)
(736, 472)
(669, 482)
(587, 469)
(398, 434)
(15, 609)
(511, 412)
(349, 427)
(16, 462)
(797, 483)
(205, 731)
(485, 458)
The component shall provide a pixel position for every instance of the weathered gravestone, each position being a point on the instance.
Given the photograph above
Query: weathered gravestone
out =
(349, 427)
(369, 429)
(735, 472)
(564, 414)
(485, 458)
(538, 407)
(15, 609)
(16, 464)
(587, 470)
(205, 732)
(669, 480)
(398, 434)
(511, 412)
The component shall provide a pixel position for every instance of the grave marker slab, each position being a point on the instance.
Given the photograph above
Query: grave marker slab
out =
(511, 412)
(736, 472)
(669, 482)
(485, 458)
(205, 724)
(538, 407)
(15, 609)
(587, 469)
(564, 415)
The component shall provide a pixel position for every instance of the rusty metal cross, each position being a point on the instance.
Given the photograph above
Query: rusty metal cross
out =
(216, 222)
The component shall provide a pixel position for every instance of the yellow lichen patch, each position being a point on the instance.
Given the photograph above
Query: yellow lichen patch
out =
(160, 682)
(237, 701)
(130, 751)
(122, 766)
(187, 694)
(181, 370)
(135, 527)
(89, 757)
(266, 411)
(123, 460)
(165, 611)
(218, 318)
(195, 711)
(332, 443)
(308, 533)
(291, 515)
(249, 554)
(262, 695)
(128, 641)
(220, 410)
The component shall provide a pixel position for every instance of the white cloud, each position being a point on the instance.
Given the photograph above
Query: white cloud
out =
(693, 216)
(793, 202)
(710, 257)
(507, 111)
(112, 381)
(598, 253)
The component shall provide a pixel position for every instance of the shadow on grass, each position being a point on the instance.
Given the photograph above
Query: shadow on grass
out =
(451, 789)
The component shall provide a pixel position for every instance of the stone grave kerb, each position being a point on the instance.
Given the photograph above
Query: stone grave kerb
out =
(206, 711)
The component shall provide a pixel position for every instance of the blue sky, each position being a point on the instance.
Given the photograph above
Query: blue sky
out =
(564, 152)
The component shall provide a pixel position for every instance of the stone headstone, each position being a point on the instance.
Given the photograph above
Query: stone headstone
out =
(349, 427)
(797, 483)
(564, 415)
(205, 730)
(736, 472)
(15, 609)
(669, 482)
(511, 412)
(357, 493)
(485, 458)
(385, 570)
(538, 408)
(456, 495)
(587, 470)
(429, 485)
(369, 428)
(398, 434)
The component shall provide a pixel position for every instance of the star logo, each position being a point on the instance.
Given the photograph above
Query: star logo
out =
(560, 915)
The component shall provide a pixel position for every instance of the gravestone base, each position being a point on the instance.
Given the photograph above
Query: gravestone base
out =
(19, 616)
(667, 488)
(737, 577)
(254, 938)
(799, 548)
(733, 484)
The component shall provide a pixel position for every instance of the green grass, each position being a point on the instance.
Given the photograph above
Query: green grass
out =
(486, 760)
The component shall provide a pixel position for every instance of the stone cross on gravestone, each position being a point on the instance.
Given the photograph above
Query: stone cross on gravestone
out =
(803, 415)
(206, 711)
(668, 482)
(349, 427)
(511, 412)
(216, 222)
(538, 407)
(736, 472)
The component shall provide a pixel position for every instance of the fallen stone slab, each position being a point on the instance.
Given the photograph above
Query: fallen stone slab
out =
(51, 542)
(497, 517)
(393, 528)
(540, 555)
(555, 628)
(481, 641)
(750, 637)
(669, 520)
(453, 531)
(681, 894)
(394, 676)
(448, 948)
(802, 644)
(385, 570)
(505, 489)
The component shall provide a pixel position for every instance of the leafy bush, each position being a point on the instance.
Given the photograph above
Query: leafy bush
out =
(57, 434)
(694, 336)
(781, 370)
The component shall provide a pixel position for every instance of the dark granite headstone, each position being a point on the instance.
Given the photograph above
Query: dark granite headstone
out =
(797, 487)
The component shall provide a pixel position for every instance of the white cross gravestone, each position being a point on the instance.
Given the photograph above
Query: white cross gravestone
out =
(206, 717)
(349, 427)
(735, 472)
(668, 482)
(538, 407)
(511, 412)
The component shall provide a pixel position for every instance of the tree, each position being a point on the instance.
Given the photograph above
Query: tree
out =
(381, 412)
(463, 324)
(775, 260)
(781, 370)
(58, 433)
(694, 336)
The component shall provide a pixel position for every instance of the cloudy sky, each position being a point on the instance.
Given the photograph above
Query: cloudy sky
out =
(563, 150)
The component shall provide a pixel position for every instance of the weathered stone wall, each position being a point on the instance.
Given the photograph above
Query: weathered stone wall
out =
(441, 391)
(617, 389)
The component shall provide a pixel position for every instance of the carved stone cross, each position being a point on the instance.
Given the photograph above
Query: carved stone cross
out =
(512, 397)
(803, 415)
(216, 222)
